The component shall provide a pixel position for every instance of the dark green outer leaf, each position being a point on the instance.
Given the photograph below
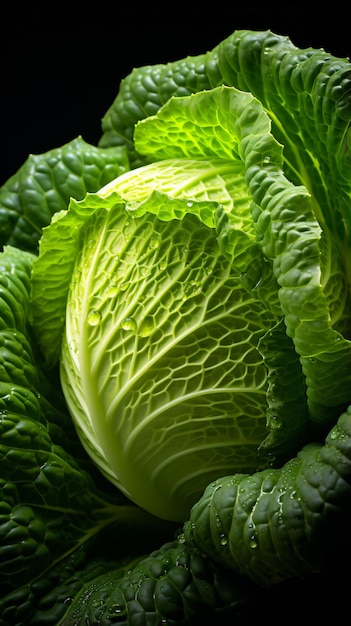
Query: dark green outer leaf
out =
(287, 413)
(307, 94)
(45, 183)
(49, 504)
(43, 491)
(173, 585)
(45, 600)
(143, 92)
(279, 523)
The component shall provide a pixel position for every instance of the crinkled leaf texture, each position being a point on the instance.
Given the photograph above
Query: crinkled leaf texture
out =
(262, 528)
(160, 365)
(305, 92)
(45, 183)
(307, 95)
(310, 265)
(167, 286)
(50, 503)
(279, 523)
(172, 585)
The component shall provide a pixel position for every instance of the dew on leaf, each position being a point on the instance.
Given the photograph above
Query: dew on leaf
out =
(146, 326)
(94, 317)
(129, 324)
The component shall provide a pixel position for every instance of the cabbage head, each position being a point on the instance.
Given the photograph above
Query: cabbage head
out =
(195, 305)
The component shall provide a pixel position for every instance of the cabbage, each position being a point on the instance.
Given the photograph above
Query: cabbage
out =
(175, 432)
(170, 287)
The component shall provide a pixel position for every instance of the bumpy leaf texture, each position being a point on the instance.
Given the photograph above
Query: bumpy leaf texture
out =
(306, 92)
(262, 528)
(279, 523)
(173, 585)
(307, 95)
(49, 502)
(174, 390)
(45, 183)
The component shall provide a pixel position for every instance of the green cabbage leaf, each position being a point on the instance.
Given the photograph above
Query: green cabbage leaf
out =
(268, 526)
(44, 184)
(306, 94)
(157, 333)
(52, 501)
(182, 290)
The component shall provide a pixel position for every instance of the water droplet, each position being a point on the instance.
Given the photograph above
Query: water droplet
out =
(129, 324)
(116, 609)
(190, 289)
(274, 421)
(147, 326)
(280, 518)
(94, 317)
(253, 542)
(223, 539)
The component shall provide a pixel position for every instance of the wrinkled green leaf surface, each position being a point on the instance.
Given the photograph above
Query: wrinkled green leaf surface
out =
(270, 525)
(310, 268)
(173, 585)
(175, 323)
(306, 92)
(45, 183)
(49, 502)
(307, 95)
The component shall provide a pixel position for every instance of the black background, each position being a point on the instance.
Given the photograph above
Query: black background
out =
(61, 64)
